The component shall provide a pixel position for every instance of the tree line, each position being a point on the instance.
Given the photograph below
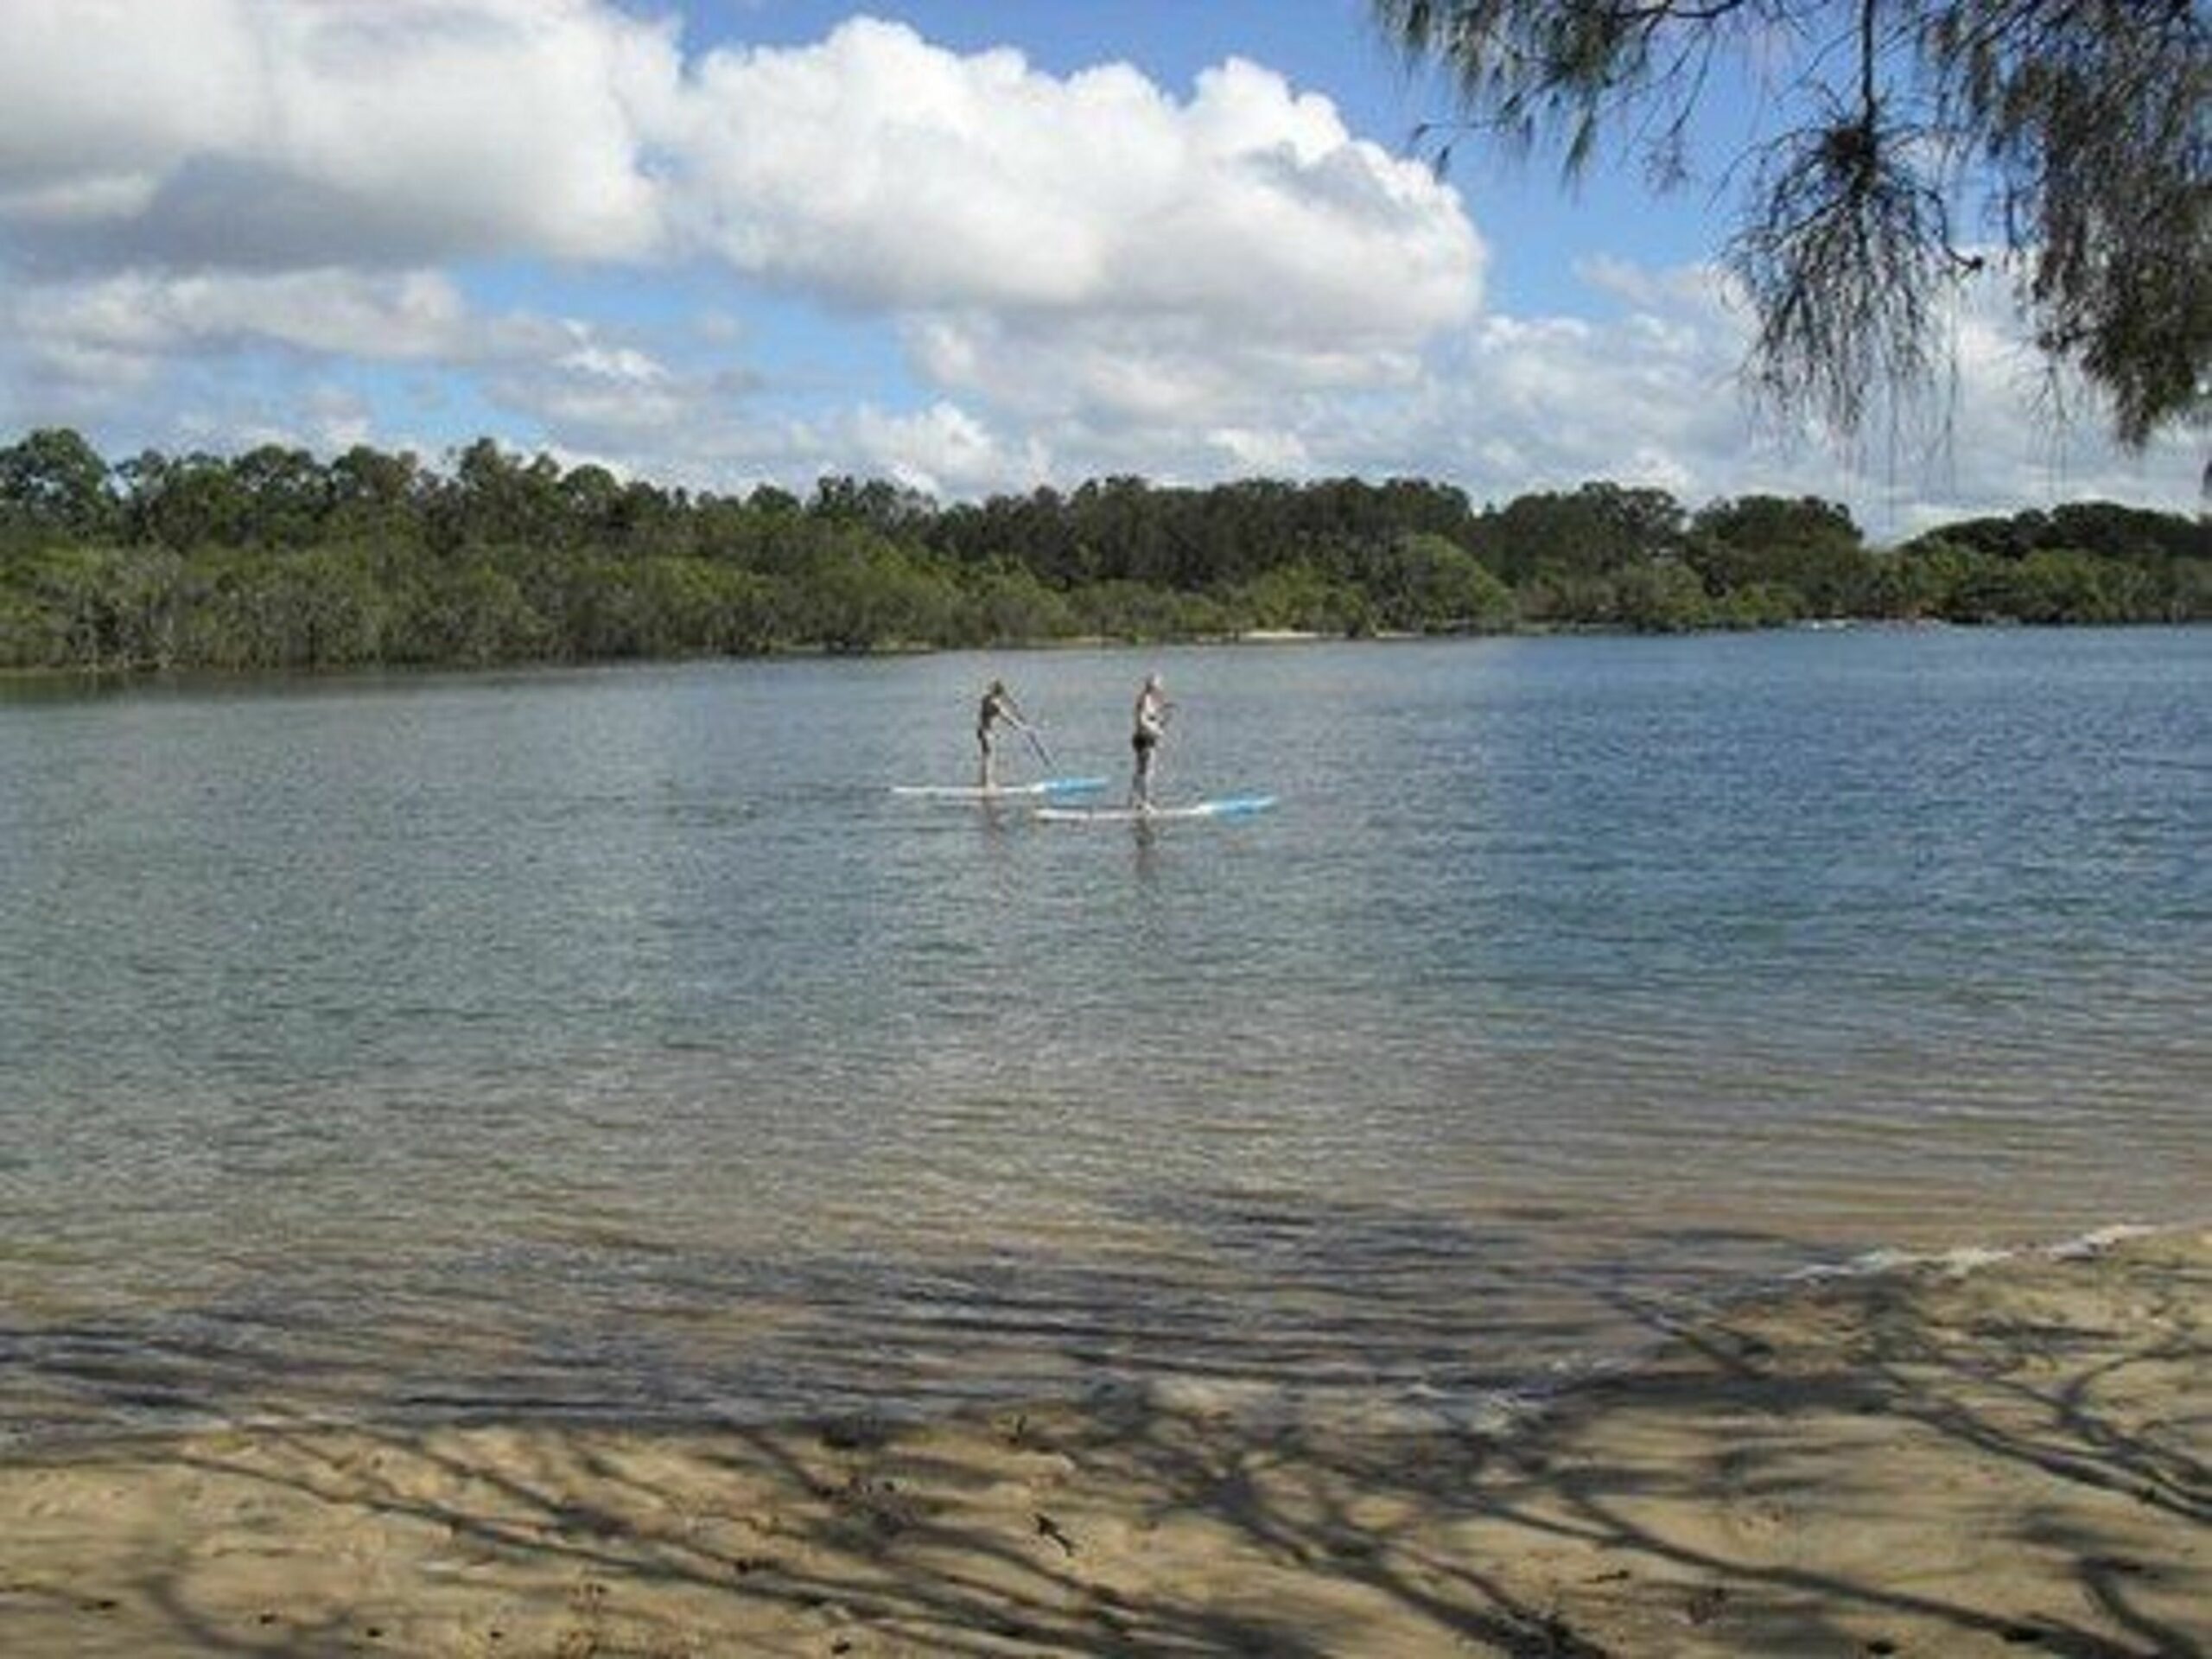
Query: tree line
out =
(274, 558)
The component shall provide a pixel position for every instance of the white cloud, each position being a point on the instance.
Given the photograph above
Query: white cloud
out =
(248, 133)
(598, 393)
(1085, 249)
(873, 167)
(945, 451)
(883, 169)
(1060, 244)
(2006, 431)
(1079, 275)
(1645, 390)
(1641, 392)
(1158, 369)
(418, 314)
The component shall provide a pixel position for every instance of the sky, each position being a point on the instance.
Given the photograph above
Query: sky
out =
(974, 246)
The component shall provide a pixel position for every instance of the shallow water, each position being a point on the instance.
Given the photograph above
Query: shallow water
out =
(614, 1041)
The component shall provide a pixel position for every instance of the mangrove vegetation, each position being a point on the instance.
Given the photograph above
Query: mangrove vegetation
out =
(274, 558)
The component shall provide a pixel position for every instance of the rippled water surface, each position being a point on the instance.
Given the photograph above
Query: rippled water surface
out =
(616, 1041)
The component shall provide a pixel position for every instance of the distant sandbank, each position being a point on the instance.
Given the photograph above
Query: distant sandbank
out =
(1922, 1461)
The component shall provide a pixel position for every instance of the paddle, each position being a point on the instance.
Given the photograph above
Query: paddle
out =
(1044, 754)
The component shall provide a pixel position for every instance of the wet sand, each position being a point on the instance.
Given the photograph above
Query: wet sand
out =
(2006, 1461)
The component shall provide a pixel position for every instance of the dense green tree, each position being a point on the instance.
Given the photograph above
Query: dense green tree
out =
(195, 501)
(53, 481)
(1760, 605)
(1599, 528)
(1111, 530)
(2100, 527)
(1553, 598)
(664, 606)
(91, 605)
(1005, 603)
(1139, 613)
(859, 590)
(1050, 534)
(472, 614)
(274, 560)
(321, 609)
(590, 506)
(876, 504)
(1423, 583)
(1303, 597)
(375, 499)
(494, 498)
(2151, 565)
(1807, 546)
(286, 493)
(1661, 596)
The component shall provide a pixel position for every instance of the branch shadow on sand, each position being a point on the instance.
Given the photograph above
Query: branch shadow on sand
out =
(1919, 1463)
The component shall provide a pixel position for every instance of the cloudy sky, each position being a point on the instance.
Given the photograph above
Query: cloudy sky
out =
(973, 245)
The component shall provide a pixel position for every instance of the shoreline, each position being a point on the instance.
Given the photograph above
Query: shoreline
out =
(1940, 1457)
(132, 674)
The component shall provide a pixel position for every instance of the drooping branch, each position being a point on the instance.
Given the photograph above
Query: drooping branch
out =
(1843, 270)
(2081, 126)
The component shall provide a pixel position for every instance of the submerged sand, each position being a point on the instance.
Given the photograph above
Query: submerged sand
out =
(1927, 1461)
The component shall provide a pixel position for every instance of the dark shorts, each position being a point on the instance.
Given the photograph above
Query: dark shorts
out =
(1143, 742)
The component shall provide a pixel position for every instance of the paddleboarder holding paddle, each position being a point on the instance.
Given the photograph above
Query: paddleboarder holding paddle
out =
(998, 706)
(1150, 722)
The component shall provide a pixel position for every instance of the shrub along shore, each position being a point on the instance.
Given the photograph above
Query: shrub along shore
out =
(276, 559)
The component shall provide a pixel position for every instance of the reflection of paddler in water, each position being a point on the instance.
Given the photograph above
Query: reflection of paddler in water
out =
(1150, 721)
(998, 706)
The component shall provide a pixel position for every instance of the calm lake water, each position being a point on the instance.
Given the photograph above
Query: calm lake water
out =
(615, 1040)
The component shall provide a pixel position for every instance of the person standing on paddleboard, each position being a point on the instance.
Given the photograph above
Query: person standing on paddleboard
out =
(1150, 721)
(998, 706)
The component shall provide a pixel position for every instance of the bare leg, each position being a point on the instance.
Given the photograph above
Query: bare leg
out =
(983, 765)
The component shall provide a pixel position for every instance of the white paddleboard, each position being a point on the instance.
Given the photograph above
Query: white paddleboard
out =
(1226, 806)
(1048, 788)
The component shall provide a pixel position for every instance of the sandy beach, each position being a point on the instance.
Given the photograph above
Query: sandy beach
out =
(2006, 1459)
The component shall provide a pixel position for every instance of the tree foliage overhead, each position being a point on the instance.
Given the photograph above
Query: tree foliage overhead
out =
(2074, 133)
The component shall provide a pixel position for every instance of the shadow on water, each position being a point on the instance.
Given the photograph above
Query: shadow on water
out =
(1262, 1298)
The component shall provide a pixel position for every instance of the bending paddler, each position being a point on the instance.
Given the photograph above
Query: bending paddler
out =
(998, 708)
